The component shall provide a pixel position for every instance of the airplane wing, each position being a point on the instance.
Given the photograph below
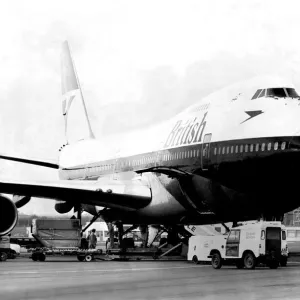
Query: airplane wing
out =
(126, 195)
(48, 164)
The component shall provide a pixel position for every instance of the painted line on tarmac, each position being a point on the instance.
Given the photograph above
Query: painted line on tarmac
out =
(96, 270)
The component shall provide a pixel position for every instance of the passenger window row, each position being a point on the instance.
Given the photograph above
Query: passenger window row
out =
(249, 148)
(221, 150)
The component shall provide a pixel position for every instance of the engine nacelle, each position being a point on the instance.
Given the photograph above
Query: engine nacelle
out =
(8, 215)
(63, 207)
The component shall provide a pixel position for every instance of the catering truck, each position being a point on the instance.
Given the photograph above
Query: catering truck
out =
(246, 246)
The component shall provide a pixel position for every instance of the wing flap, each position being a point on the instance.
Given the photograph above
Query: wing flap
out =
(129, 195)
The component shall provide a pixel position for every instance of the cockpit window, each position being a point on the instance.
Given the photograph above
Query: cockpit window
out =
(259, 93)
(276, 92)
(262, 94)
(292, 93)
(256, 94)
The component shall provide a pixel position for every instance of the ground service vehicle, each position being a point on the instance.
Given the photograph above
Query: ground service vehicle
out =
(245, 246)
(8, 250)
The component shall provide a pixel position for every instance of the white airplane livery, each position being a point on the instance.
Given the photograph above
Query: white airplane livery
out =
(231, 157)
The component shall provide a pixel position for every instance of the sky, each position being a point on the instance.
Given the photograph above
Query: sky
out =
(139, 63)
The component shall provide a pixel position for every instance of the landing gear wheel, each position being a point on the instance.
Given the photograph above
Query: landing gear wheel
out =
(34, 256)
(283, 261)
(41, 257)
(240, 264)
(3, 256)
(273, 264)
(88, 258)
(80, 257)
(216, 261)
(249, 261)
(195, 260)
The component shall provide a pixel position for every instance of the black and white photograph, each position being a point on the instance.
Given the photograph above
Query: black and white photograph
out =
(149, 149)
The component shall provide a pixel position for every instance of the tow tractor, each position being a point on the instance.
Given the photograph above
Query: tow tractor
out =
(246, 246)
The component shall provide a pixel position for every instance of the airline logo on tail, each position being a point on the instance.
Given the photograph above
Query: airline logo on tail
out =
(71, 88)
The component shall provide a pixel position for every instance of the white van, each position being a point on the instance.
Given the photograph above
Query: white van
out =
(245, 246)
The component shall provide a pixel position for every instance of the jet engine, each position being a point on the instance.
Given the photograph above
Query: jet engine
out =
(63, 207)
(8, 215)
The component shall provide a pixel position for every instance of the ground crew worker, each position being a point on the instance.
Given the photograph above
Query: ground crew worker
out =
(92, 239)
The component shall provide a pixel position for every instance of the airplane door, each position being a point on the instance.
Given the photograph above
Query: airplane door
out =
(232, 243)
(205, 155)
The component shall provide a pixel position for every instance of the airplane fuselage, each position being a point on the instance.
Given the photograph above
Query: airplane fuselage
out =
(249, 146)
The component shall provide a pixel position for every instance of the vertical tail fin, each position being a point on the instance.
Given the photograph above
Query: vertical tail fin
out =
(77, 124)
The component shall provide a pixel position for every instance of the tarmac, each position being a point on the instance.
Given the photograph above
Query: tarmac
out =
(66, 278)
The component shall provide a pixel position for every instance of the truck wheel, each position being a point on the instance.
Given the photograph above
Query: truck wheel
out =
(88, 258)
(41, 257)
(195, 260)
(3, 256)
(274, 264)
(80, 257)
(216, 261)
(249, 261)
(283, 261)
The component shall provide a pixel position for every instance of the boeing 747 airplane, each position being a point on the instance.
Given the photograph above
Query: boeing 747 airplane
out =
(232, 156)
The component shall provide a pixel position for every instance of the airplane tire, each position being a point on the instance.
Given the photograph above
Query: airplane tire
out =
(249, 261)
(216, 261)
(3, 256)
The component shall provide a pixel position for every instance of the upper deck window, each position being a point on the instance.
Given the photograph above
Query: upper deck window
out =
(276, 92)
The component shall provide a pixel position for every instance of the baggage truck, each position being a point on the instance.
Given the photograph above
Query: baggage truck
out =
(245, 246)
